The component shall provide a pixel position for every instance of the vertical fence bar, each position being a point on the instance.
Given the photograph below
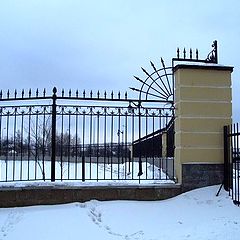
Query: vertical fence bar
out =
(140, 172)
(118, 134)
(166, 157)
(76, 142)
(69, 143)
(36, 145)
(54, 113)
(83, 151)
(146, 150)
(21, 152)
(133, 150)
(8, 113)
(13, 151)
(126, 145)
(235, 164)
(153, 145)
(238, 163)
(90, 144)
(44, 143)
(105, 142)
(29, 142)
(226, 157)
(111, 145)
(98, 129)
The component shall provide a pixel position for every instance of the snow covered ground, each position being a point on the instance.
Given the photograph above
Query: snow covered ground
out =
(196, 215)
(113, 174)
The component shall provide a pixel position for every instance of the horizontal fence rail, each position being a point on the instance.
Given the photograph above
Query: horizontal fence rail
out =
(232, 161)
(87, 138)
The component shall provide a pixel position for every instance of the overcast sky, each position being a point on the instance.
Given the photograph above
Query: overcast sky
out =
(101, 44)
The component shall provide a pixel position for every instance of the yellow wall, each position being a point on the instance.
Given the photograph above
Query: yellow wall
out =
(203, 106)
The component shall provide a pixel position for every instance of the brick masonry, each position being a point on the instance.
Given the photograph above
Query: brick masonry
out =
(16, 197)
(198, 175)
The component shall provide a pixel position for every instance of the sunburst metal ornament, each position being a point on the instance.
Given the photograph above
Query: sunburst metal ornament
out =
(158, 85)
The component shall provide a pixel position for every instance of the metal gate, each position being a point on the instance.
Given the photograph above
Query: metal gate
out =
(89, 137)
(232, 161)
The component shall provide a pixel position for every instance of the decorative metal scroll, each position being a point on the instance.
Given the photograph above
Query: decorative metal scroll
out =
(158, 85)
(212, 57)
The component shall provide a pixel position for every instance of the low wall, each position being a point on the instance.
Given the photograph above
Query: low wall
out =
(196, 175)
(16, 197)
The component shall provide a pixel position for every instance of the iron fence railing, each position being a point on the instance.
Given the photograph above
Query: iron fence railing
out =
(232, 161)
(80, 137)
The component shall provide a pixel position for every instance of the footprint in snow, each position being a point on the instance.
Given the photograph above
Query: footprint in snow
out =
(13, 218)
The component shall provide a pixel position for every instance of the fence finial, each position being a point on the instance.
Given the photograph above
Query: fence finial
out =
(54, 90)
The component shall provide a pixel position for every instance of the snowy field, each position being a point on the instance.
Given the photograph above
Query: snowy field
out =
(196, 215)
(113, 174)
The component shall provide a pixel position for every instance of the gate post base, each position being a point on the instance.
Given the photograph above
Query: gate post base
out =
(196, 175)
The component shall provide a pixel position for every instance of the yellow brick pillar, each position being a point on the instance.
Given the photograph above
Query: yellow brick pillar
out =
(203, 106)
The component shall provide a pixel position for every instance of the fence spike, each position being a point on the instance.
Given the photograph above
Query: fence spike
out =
(153, 66)
(62, 92)
(112, 94)
(1, 94)
(84, 93)
(119, 95)
(44, 92)
(37, 93)
(126, 95)
(133, 89)
(70, 93)
(54, 90)
(190, 53)
(184, 53)
(145, 71)
(137, 78)
(105, 94)
(30, 92)
(162, 61)
(8, 93)
(15, 93)
(22, 93)
(197, 54)
(178, 53)
(91, 93)
(98, 94)
(77, 93)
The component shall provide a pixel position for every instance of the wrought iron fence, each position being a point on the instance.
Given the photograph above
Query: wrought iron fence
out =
(84, 137)
(232, 161)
